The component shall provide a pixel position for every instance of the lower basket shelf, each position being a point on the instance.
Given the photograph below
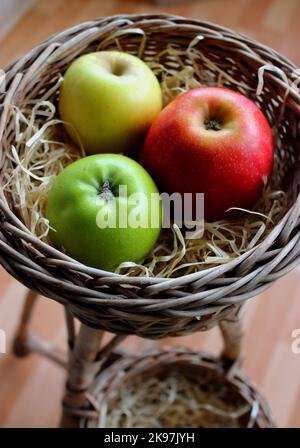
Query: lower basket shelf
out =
(175, 387)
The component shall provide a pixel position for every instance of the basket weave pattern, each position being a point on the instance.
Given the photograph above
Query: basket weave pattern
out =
(201, 368)
(154, 307)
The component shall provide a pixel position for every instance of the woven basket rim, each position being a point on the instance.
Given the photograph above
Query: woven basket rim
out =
(128, 369)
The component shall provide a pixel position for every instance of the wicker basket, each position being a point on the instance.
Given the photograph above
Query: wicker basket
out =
(154, 307)
(202, 369)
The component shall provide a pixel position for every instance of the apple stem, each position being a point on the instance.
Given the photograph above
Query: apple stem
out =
(106, 193)
(213, 124)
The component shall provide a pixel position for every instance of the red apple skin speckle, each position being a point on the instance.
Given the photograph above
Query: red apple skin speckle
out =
(228, 165)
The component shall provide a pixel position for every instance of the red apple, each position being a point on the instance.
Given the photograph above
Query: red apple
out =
(214, 141)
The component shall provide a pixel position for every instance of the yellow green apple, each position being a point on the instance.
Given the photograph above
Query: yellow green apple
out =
(108, 100)
(104, 210)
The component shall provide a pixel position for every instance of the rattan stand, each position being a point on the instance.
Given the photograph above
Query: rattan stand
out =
(87, 357)
(150, 307)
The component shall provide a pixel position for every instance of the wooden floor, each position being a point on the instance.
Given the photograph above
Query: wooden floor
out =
(30, 389)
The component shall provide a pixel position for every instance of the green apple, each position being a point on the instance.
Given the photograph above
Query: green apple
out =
(109, 99)
(104, 210)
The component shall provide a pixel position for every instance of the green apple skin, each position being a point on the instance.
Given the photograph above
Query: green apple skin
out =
(110, 98)
(75, 200)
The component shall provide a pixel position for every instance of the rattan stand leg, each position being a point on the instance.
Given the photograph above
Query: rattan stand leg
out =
(20, 345)
(81, 372)
(86, 357)
(232, 333)
(26, 341)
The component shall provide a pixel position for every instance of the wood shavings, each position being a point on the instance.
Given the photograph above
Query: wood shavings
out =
(174, 401)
